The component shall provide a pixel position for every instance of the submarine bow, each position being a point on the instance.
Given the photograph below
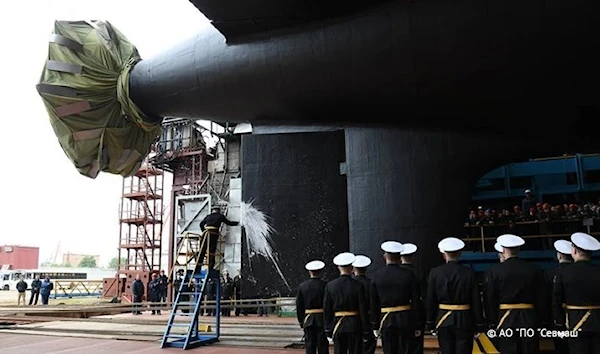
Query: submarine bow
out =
(85, 88)
(427, 65)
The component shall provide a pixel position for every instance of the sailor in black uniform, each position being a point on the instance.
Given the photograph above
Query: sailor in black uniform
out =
(396, 309)
(416, 344)
(563, 255)
(309, 309)
(210, 227)
(576, 296)
(453, 303)
(360, 273)
(515, 298)
(501, 259)
(346, 313)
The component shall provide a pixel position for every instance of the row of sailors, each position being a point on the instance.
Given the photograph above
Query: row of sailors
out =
(352, 312)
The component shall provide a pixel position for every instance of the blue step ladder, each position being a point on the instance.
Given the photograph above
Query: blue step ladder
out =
(189, 297)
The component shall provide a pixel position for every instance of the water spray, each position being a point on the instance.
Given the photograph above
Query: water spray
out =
(258, 235)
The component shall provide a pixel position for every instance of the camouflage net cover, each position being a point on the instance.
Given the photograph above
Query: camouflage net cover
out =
(85, 88)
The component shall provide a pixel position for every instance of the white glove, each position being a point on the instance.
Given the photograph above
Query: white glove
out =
(476, 335)
(376, 333)
(330, 340)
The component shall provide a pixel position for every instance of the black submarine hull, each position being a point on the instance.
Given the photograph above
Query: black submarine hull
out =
(464, 65)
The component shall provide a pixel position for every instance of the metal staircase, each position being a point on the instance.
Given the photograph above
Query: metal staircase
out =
(188, 332)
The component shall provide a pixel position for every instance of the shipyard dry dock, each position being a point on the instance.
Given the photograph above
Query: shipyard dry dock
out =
(67, 329)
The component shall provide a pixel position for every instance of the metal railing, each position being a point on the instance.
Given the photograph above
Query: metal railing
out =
(77, 288)
(532, 230)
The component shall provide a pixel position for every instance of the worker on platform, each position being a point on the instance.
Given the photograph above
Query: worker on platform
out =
(187, 293)
(563, 255)
(416, 345)
(226, 293)
(210, 292)
(360, 273)
(309, 309)
(396, 309)
(46, 289)
(177, 282)
(21, 289)
(529, 201)
(137, 290)
(237, 294)
(345, 309)
(164, 287)
(454, 309)
(154, 292)
(576, 296)
(210, 227)
(36, 286)
(514, 298)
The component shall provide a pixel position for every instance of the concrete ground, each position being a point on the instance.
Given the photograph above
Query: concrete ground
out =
(26, 344)
(247, 332)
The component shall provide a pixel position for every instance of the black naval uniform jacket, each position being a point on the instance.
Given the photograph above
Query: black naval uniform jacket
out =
(420, 276)
(549, 281)
(345, 294)
(394, 286)
(454, 284)
(550, 273)
(577, 285)
(310, 297)
(366, 282)
(215, 220)
(516, 281)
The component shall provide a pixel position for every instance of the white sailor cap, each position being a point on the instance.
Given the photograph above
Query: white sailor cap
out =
(509, 241)
(344, 259)
(314, 265)
(498, 248)
(585, 242)
(451, 244)
(527, 191)
(392, 247)
(361, 261)
(563, 246)
(409, 248)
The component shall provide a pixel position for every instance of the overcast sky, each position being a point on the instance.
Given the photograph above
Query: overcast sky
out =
(44, 199)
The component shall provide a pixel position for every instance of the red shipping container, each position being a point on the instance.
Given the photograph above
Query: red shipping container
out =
(19, 257)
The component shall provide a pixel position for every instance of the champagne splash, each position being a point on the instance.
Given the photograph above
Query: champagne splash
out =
(258, 235)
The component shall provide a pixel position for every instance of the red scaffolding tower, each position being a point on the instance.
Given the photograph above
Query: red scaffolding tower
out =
(141, 223)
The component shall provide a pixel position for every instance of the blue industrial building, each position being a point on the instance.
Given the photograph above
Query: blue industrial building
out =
(550, 176)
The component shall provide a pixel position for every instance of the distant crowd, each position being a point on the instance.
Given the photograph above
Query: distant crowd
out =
(156, 292)
(532, 218)
(539, 212)
(532, 210)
